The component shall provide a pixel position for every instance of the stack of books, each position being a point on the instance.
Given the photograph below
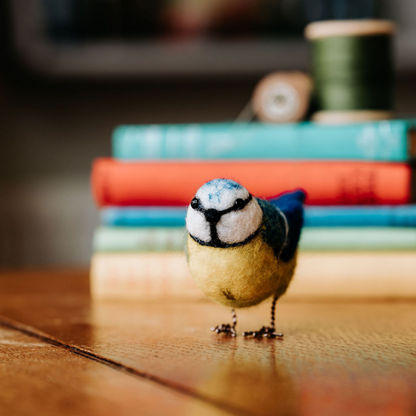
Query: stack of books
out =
(359, 238)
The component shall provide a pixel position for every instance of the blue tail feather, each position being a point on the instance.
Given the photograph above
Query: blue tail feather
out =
(291, 204)
(298, 195)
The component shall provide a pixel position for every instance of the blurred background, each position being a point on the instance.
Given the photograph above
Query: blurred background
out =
(72, 70)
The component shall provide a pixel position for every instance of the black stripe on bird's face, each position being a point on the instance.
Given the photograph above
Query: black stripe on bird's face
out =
(217, 243)
(213, 217)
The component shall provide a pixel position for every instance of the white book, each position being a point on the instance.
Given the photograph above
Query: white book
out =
(360, 275)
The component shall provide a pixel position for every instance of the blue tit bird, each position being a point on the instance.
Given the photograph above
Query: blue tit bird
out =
(242, 250)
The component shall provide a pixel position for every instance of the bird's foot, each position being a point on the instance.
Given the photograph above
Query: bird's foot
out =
(226, 329)
(264, 332)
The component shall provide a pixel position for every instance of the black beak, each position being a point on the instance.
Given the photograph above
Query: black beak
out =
(212, 216)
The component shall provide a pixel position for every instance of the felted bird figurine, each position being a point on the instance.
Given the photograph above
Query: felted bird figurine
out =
(242, 250)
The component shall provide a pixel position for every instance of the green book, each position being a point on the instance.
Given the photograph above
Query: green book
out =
(163, 239)
(358, 239)
(130, 239)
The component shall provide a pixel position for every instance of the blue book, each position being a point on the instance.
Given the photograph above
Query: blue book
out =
(361, 216)
(387, 140)
(315, 216)
(143, 216)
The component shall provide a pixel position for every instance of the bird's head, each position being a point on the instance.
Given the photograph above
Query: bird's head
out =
(223, 214)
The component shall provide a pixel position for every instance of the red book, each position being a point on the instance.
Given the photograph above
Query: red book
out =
(326, 183)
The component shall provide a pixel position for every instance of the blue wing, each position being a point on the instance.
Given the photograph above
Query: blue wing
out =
(291, 204)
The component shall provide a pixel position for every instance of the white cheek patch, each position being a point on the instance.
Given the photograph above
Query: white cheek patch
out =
(237, 226)
(197, 225)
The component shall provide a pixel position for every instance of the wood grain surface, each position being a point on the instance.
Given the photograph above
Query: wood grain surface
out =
(38, 378)
(335, 359)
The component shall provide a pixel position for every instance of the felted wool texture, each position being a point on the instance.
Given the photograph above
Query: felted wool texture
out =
(220, 194)
(240, 276)
(237, 226)
(233, 227)
(197, 225)
(291, 206)
(275, 227)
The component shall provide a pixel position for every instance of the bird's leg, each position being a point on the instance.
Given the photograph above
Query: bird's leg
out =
(266, 331)
(227, 328)
(272, 322)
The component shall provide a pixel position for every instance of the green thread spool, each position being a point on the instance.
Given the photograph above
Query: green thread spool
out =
(352, 70)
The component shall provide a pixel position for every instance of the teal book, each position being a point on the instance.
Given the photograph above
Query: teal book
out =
(387, 140)
(163, 239)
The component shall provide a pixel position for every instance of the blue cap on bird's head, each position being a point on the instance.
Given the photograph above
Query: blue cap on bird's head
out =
(223, 214)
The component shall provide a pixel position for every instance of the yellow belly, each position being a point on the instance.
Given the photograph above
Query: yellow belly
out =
(239, 276)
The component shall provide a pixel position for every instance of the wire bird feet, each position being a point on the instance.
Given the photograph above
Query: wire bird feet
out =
(227, 328)
(266, 331)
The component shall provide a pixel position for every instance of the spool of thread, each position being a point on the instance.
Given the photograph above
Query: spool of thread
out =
(282, 97)
(352, 70)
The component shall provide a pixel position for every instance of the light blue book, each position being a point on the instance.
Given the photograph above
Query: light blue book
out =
(387, 140)
(315, 216)
(162, 239)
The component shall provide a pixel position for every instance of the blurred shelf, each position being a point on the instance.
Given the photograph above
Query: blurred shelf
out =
(153, 59)
(168, 59)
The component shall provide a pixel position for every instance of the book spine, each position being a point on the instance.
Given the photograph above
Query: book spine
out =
(326, 183)
(357, 239)
(124, 239)
(315, 216)
(141, 276)
(361, 216)
(139, 239)
(383, 141)
(143, 216)
(163, 276)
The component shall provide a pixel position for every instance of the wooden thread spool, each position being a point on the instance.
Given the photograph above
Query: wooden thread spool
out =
(352, 70)
(282, 97)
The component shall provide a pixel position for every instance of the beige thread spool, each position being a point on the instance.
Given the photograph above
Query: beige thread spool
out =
(282, 97)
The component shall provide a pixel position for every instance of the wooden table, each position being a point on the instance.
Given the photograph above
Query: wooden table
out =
(62, 355)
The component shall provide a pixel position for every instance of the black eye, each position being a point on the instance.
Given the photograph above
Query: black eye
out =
(195, 203)
(239, 203)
